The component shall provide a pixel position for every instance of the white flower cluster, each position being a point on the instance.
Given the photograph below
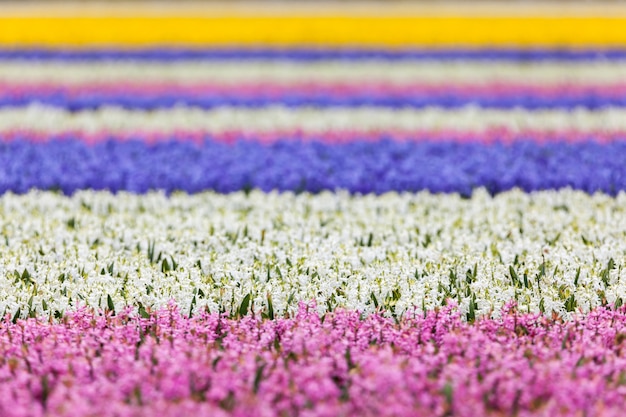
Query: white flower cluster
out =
(551, 251)
(544, 72)
(311, 120)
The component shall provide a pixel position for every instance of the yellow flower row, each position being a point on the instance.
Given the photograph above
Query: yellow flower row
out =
(311, 30)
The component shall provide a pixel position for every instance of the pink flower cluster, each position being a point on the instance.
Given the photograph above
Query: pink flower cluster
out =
(269, 89)
(341, 364)
(489, 135)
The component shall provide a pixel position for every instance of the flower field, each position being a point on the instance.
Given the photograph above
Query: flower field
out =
(299, 218)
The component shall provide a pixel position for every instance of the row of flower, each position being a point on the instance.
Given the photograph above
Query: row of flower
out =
(551, 252)
(184, 72)
(115, 121)
(314, 94)
(290, 165)
(355, 55)
(339, 364)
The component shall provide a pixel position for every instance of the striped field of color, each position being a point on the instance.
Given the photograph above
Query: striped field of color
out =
(303, 212)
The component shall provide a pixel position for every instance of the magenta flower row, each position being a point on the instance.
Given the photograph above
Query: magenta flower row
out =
(341, 364)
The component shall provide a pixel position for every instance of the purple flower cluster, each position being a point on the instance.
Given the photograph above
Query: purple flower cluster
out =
(340, 364)
(313, 54)
(446, 100)
(321, 94)
(290, 165)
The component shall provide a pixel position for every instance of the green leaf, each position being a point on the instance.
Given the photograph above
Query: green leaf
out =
(570, 303)
(26, 277)
(471, 315)
(447, 393)
(514, 277)
(193, 303)
(258, 377)
(270, 307)
(427, 240)
(165, 266)
(151, 251)
(374, 300)
(243, 307)
(349, 362)
(16, 316)
(142, 312)
(45, 390)
(110, 304)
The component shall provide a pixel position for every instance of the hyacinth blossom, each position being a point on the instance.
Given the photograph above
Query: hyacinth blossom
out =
(381, 166)
(553, 252)
(339, 364)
